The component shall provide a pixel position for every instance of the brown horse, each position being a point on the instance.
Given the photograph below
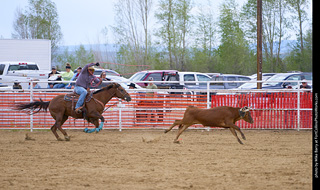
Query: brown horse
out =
(61, 109)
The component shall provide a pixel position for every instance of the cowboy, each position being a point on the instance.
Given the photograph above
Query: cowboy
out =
(83, 83)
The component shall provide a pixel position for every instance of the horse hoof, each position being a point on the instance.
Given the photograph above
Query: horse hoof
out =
(59, 139)
(166, 131)
(67, 138)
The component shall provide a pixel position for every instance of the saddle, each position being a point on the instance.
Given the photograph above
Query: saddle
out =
(74, 97)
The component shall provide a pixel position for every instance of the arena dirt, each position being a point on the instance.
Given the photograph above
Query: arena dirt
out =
(146, 159)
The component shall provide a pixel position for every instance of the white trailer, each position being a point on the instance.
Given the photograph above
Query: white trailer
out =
(29, 50)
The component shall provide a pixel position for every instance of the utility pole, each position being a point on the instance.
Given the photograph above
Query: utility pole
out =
(259, 43)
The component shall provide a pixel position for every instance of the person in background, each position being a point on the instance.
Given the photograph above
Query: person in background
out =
(51, 75)
(103, 76)
(65, 76)
(151, 85)
(132, 86)
(16, 85)
(35, 85)
(304, 85)
(74, 78)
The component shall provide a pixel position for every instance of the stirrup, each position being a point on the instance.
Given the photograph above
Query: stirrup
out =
(78, 110)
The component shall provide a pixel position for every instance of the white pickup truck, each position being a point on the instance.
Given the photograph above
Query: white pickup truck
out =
(23, 72)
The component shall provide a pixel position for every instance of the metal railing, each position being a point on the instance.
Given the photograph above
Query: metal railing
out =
(163, 108)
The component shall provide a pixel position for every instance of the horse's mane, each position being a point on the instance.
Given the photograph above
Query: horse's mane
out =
(104, 88)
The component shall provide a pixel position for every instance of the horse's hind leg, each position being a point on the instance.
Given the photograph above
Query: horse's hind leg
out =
(58, 125)
(54, 131)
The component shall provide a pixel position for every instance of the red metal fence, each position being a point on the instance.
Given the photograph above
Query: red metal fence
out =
(270, 110)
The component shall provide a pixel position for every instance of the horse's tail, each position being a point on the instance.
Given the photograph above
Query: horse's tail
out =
(32, 106)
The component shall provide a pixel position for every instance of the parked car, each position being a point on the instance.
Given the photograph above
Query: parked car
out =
(98, 71)
(23, 71)
(121, 80)
(252, 84)
(254, 76)
(157, 75)
(273, 82)
(187, 80)
(109, 72)
(288, 77)
(228, 77)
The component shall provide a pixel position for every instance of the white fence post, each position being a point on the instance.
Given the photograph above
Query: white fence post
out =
(208, 94)
(120, 115)
(31, 99)
(298, 106)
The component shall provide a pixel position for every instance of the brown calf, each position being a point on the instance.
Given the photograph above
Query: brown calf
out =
(223, 116)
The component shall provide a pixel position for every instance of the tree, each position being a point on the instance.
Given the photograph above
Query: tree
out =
(297, 8)
(296, 61)
(39, 21)
(78, 57)
(132, 41)
(175, 19)
(275, 27)
(234, 53)
(203, 53)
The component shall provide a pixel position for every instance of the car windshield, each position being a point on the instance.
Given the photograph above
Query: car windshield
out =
(137, 77)
(278, 77)
(108, 72)
(23, 67)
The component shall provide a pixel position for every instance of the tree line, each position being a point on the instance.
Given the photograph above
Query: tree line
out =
(183, 35)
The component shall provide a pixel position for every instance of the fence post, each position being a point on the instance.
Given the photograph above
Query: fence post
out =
(120, 115)
(208, 94)
(298, 106)
(31, 99)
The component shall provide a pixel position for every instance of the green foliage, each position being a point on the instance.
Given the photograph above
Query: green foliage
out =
(301, 60)
(80, 57)
(39, 21)
(234, 52)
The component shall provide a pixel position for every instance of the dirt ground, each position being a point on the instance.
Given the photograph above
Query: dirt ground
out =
(147, 159)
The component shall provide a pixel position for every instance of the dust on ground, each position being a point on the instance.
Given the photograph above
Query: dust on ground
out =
(147, 159)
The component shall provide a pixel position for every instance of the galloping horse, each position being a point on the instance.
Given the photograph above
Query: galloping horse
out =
(61, 109)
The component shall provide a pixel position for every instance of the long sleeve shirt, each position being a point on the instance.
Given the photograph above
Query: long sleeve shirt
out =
(85, 78)
(67, 76)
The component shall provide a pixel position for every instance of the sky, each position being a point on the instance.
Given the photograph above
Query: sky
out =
(81, 21)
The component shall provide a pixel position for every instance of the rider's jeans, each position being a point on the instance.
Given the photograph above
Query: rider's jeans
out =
(83, 93)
